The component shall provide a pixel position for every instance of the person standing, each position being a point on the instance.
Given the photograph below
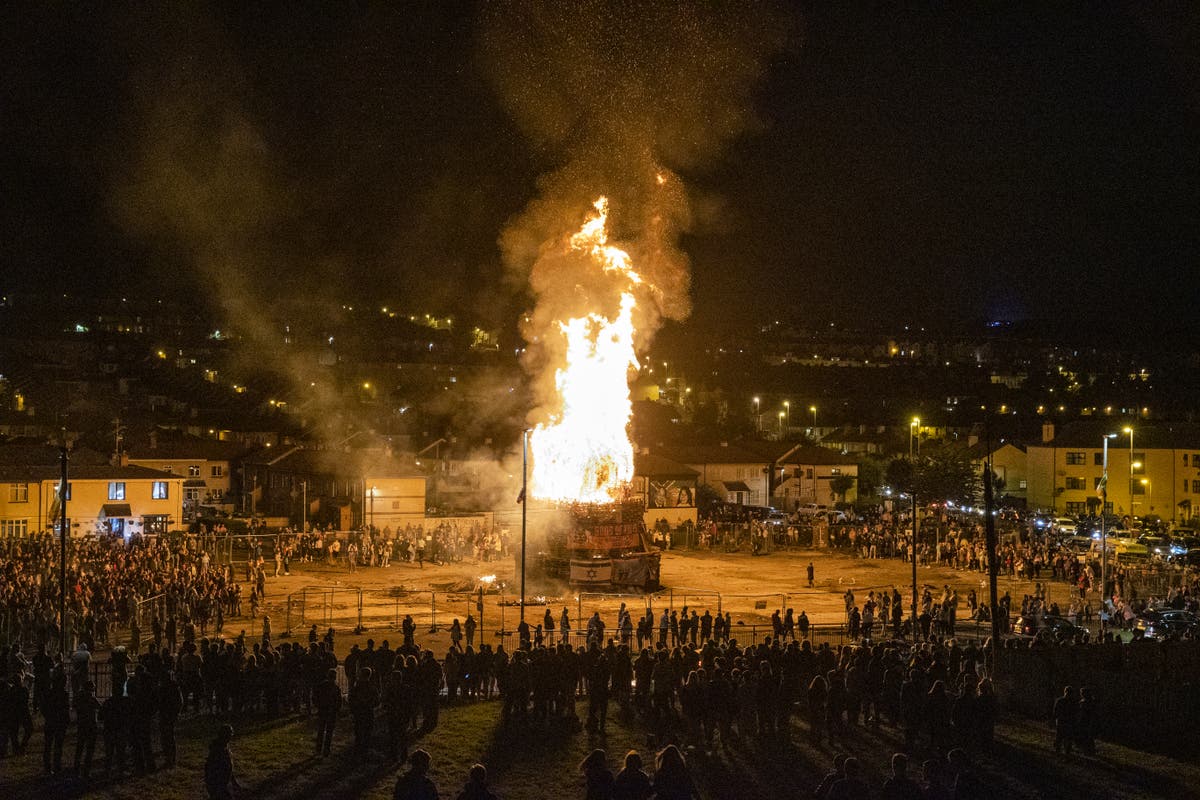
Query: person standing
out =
(476, 788)
(170, 703)
(219, 778)
(87, 709)
(328, 699)
(56, 711)
(469, 628)
(811, 572)
(364, 697)
(1066, 714)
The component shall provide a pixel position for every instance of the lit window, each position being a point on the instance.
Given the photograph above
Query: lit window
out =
(159, 491)
(116, 490)
(193, 470)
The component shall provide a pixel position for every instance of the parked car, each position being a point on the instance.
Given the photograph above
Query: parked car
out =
(1055, 627)
(1189, 559)
(1157, 545)
(812, 510)
(1164, 622)
(1065, 526)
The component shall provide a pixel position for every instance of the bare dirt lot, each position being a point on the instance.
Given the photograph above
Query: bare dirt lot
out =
(749, 587)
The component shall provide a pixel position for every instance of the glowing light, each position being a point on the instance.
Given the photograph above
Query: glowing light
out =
(583, 453)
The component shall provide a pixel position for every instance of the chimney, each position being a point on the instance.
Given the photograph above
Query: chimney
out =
(1047, 432)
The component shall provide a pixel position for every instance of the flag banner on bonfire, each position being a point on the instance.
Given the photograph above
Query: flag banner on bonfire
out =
(635, 571)
(602, 538)
(592, 570)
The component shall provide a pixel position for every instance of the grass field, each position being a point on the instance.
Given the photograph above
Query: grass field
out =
(274, 760)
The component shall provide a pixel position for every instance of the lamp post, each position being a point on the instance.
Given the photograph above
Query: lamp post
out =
(524, 505)
(373, 491)
(757, 417)
(1149, 496)
(813, 411)
(1104, 539)
(781, 424)
(1129, 430)
(913, 428)
(787, 407)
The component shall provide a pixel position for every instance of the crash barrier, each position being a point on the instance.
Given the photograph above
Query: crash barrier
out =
(1144, 690)
(100, 674)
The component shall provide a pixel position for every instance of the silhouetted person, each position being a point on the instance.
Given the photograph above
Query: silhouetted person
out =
(364, 697)
(416, 784)
(87, 711)
(170, 703)
(632, 782)
(899, 786)
(1066, 712)
(671, 779)
(597, 777)
(328, 699)
(56, 710)
(476, 788)
(219, 779)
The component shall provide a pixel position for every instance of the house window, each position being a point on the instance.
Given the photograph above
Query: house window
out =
(1076, 483)
(192, 495)
(1076, 459)
(1139, 488)
(1023, 484)
(1195, 487)
(18, 493)
(1096, 483)
(116, 490)
(193, 470)
(159, 491)
(10, 528)
(395, 505)
(168, 468)
(1098, 458)
(218, 471)
(1076, 509)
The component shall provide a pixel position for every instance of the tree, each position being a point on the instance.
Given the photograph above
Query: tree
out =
(936, 477)
(840, 484)
(871, 475)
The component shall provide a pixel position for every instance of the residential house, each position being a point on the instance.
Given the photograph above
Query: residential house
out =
(667, 488)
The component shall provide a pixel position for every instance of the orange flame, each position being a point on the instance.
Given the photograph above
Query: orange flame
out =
(583, 454)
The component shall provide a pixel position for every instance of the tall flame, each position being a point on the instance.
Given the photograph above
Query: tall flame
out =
(583, 454)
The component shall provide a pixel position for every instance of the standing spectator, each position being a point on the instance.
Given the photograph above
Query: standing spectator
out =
(1066, 713)
(218, 768)
(170, 703)
(416, 784)
(87, 709)
(328, 699)
(1085, 724)
(364, 697)
(899, 786)
(56, 711)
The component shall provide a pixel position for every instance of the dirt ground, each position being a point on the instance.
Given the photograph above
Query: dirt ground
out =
(748, 587)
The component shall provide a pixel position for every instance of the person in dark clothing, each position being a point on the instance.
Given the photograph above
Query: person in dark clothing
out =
(87, 709)
(1066, 713)
(219, 779)
(597, 777)
(114, 714)
(1085, 724)
(56, 710)
(416, 784)
(170, 703)
(967, 783)
(631, 782)
(836, 774)
(141, 716)
(899, 786)
(671, 778)
(328, 699)
(476, 788)
(364, 697)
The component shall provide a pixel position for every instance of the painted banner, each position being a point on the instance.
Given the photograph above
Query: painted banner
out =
(603, 538)
(671, 494)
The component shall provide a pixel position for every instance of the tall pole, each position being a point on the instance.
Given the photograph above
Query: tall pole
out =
(524, 506)
(1104, 542)
(914, 564)
(304, 508)
(989, 528)
(1131, 474)
(62, 550)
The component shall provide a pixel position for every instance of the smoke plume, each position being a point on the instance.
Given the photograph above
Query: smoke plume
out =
(620, 98)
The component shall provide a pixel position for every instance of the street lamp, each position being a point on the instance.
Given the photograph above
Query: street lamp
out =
(913, 428)
(1129, 430)
(813, 410)
(757, 416)
(1104, 538)
(781, 415)
(1149, 496)
(787, 407)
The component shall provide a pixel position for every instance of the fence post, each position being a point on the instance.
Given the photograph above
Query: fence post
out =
(360, 610)
(433, 612)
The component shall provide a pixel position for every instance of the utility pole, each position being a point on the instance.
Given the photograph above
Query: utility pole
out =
(524, 506)
(914, 564)
(62, 551)
(989, 527)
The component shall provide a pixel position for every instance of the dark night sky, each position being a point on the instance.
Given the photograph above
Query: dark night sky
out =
(914, 167)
